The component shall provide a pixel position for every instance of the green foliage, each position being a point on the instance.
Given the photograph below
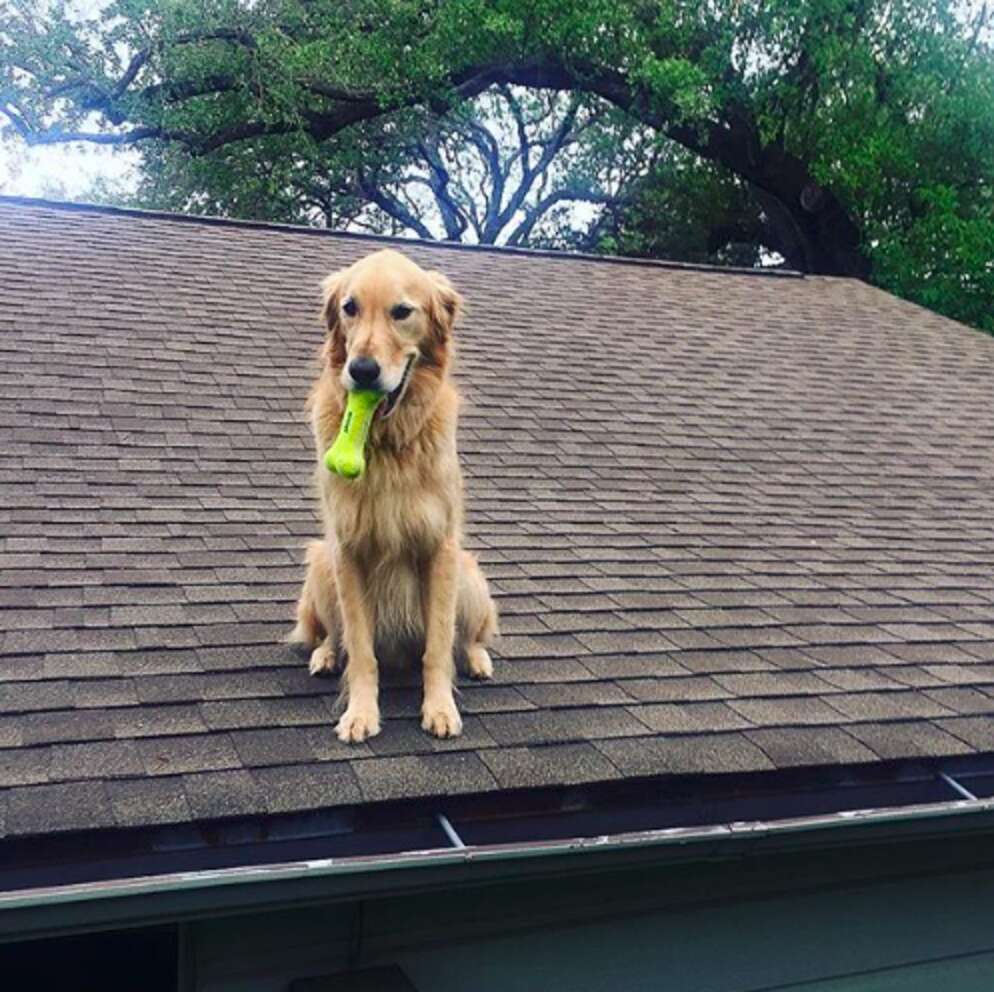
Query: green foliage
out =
(286, 179)
(850, 135)
(692, 211)
(944, 257)
(505, 167)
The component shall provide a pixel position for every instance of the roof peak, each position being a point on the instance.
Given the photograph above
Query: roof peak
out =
(81, 207)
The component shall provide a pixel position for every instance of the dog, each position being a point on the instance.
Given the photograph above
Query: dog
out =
(391, 580)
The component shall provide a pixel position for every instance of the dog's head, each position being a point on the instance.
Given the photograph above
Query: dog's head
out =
(388, 320)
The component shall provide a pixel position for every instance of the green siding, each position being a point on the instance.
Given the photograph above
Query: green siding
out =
(974, 973)
(754, 925)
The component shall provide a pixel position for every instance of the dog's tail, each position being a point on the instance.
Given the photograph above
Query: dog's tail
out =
(309, 629)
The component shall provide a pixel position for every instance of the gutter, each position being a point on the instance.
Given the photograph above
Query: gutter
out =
(177, 896)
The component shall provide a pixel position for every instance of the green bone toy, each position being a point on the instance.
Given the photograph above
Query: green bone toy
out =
(347, 455)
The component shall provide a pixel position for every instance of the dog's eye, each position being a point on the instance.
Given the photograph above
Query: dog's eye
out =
(401, 311)
(350, 307)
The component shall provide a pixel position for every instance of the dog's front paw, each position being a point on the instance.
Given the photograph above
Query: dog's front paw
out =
(357, 723)
(441, 718)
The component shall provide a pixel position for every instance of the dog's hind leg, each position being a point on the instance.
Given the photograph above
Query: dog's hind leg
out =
(322, 660)
(317, 610)
(477, 618)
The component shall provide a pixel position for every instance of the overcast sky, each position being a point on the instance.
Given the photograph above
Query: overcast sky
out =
(59, 171)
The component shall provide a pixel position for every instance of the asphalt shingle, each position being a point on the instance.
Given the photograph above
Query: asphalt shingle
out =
(577, 724)
(911, 739)
(965, 701)
(675, 689)
(552, 695)
(24, 766)
(690, 754)
(215, 795)
(977, 731)
(551, 764)
(790, 746)
(42, 809)
(195, 753)
(679, 718)
(250, 713)
(97, 760)
(144, 802)
(65, 726)
(784, 711)
(765, 563)
(888, 705)
(416, 775)
(293, 788)
(273, 746)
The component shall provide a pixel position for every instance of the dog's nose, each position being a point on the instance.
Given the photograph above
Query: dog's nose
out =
(364, 371)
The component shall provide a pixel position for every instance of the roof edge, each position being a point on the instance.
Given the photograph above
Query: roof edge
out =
(105, 905)
(82, 207)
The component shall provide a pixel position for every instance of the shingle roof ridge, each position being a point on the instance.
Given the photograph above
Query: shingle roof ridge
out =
(9, 200)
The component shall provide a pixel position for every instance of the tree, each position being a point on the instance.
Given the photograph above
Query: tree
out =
(687, 209)
(860, 128)
(489, 171)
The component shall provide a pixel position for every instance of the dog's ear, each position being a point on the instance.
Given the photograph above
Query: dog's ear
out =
(333, 352)
(443, 311)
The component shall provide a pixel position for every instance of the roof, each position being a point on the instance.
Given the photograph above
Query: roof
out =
(733, 523)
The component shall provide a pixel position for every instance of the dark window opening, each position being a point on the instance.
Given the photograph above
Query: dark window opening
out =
(115, 961)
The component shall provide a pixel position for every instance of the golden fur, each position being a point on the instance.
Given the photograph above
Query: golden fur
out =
(391, 580)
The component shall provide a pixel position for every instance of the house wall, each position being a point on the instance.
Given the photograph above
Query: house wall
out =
(791, 924)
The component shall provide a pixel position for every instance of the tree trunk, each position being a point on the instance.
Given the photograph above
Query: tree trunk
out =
(813, 231)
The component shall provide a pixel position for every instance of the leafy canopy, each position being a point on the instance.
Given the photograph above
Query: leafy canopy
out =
(506, 167)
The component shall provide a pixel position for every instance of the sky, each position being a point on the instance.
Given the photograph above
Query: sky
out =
(61, 171)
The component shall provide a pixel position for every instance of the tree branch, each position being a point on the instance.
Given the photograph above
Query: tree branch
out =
(978, 25)
(96, 138)
(336, 93)
(17, 118)
(535, 213)
(489, 150)
(524, 145)
(103, 100)
(134, 67)
(550, 149)
(175, 92)
(452, 217)
(393, 207)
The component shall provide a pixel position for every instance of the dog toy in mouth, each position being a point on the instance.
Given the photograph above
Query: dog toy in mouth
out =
(347, 457)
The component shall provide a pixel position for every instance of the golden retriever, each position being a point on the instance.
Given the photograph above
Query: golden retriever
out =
(391, 580)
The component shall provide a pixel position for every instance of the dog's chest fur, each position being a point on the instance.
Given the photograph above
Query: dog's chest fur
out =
(409, 499)
(393, 519)
(402, 507)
